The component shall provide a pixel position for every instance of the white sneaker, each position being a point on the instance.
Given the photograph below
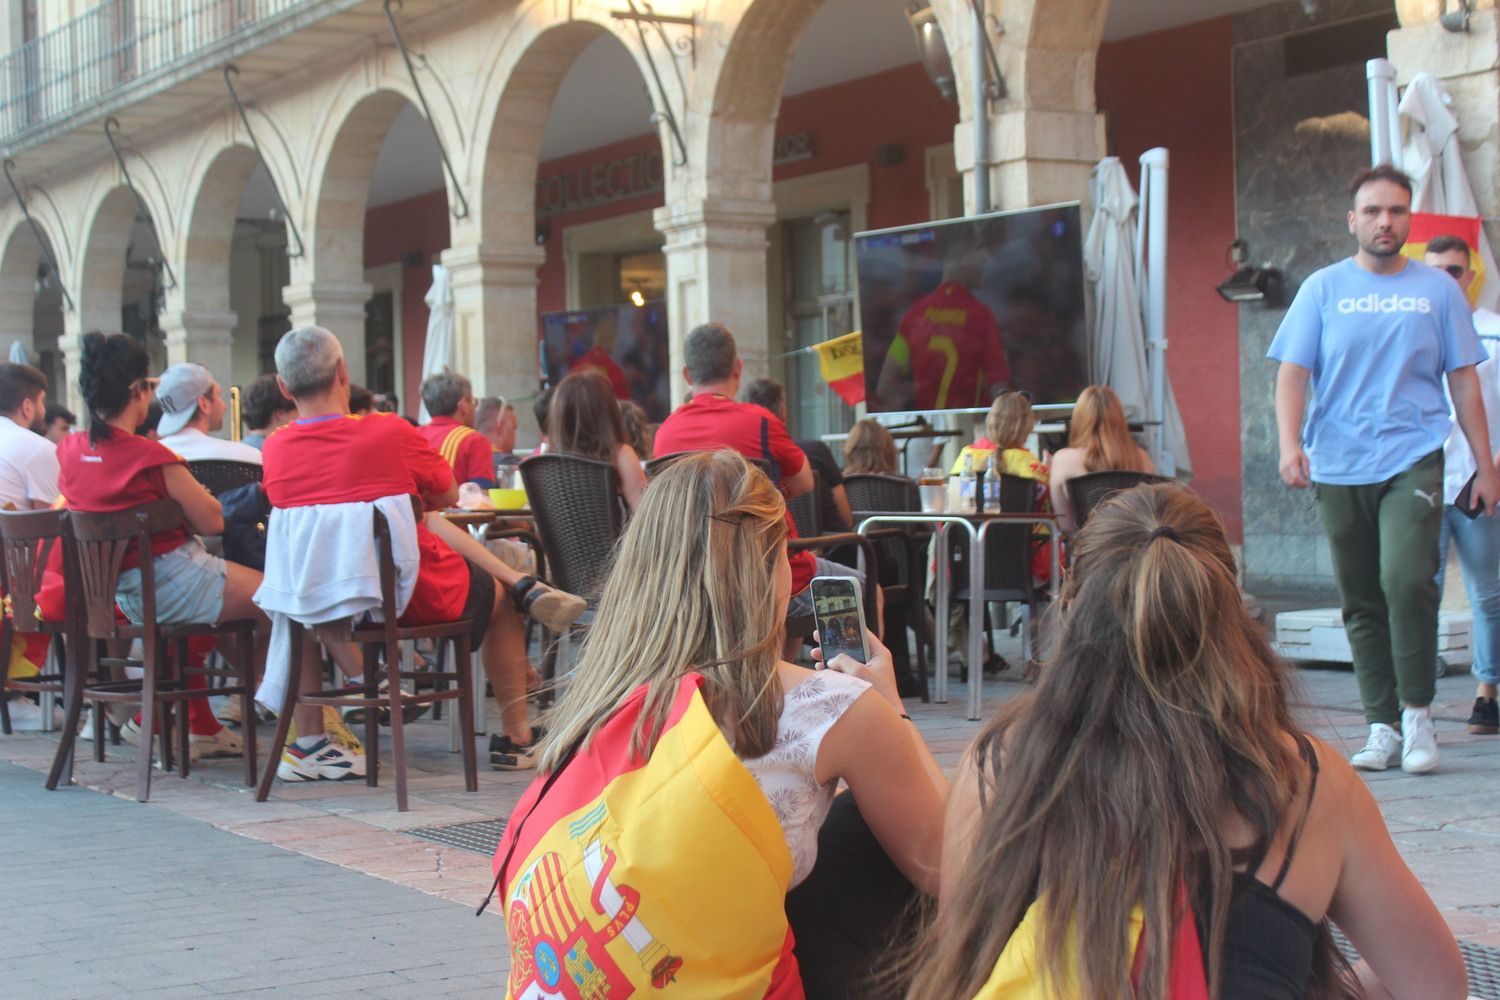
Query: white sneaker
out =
(1419, 749)
(324, 761)
(25, 716)
(1381, 750)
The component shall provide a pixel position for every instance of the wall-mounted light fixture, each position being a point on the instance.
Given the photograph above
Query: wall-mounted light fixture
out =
(1250, 282)
(932, 47)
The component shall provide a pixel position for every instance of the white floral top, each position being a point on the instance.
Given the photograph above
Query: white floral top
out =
(786, 774)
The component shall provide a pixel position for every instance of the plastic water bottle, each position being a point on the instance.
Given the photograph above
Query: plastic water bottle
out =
(992, 485)
(966, 485)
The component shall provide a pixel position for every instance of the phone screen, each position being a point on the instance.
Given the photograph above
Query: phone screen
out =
(839, 616)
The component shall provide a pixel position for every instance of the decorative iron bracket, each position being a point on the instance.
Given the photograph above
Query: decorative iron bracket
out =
(111, 126)
(233, 70)
(15, 189)
(994, 84)
(461, 210)
(641, 14)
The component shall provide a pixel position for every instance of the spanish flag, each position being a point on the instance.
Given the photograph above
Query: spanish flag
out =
(667, 876)
(842, 364)
(1426, 225)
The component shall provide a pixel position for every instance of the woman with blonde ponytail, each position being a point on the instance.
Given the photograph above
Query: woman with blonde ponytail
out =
(1150, 822)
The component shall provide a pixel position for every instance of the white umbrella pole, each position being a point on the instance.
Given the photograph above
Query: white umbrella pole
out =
(1154, 164)
(1385, 124)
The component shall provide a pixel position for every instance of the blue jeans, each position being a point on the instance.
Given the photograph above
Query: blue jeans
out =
(1478, 543)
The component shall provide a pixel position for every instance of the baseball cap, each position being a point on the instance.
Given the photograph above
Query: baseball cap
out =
(178, 393)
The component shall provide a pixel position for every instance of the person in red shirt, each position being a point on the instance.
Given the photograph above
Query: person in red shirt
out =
(449, 398)
(947, 353)
(328, 456)
(712, 419)
(111, 468)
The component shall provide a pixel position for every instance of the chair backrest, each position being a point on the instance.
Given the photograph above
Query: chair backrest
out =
(580, 514)
(876, 491)
(807, 510)
(1007, 551)
(1088, 491)
(218, 475)
(102, 541)
(662, 461)
(27, 541)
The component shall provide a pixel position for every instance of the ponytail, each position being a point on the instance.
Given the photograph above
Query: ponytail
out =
(111, 363)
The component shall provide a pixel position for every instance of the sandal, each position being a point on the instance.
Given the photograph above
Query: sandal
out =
(553, 609)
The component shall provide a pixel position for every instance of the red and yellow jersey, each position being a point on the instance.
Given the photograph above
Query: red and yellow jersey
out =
(950, 342)
(465, 450)
(657, 877)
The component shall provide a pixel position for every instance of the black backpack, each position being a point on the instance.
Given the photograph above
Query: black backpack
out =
(247, 511)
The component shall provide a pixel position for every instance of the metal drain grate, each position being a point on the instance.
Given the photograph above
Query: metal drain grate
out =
(1482, 961)
(481, 837)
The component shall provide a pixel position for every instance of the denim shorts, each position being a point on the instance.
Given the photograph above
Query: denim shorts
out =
(189, 587)
(801, 604)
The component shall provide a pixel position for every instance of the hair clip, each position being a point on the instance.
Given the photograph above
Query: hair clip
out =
(733, 520)
(1165, 531)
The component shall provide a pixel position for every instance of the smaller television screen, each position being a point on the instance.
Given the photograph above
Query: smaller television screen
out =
(628, 343)
(955, 312)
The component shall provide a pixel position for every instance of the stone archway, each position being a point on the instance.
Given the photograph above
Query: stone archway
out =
(31, 302)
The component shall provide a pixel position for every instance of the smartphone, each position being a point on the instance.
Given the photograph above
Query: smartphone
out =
(840, 616)
(1465, 500)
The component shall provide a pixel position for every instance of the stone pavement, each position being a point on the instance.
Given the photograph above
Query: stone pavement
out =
(330, 855)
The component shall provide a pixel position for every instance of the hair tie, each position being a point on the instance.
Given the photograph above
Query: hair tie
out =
(1165, 531)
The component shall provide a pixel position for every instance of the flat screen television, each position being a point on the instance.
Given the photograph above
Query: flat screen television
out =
(628, 343)
(954, 312)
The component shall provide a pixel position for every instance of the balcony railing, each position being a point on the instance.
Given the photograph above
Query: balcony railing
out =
(58, 74)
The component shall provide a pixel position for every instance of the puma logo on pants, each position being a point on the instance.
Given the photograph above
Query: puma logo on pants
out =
(1431, 498)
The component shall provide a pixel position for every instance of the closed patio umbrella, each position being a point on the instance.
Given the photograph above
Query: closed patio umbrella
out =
(439, 351)
(1119, 328)
(1430, 154)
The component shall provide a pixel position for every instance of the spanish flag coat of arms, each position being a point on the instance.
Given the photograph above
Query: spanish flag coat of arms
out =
(661, 877)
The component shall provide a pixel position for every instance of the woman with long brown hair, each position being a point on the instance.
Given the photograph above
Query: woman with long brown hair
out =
(1155, 789)
(584, 419)
(1098, 439)
(869, 448)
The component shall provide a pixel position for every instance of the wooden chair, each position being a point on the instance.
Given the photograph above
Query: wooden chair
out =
(386, 635)
(101, 543)
(1088, 491)
(218, 475)
(27, 541)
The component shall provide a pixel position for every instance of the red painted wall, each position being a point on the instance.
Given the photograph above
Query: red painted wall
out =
(392, 231)
(1173, 88)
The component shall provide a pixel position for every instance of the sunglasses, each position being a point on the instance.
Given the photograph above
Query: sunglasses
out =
(148, 383)
(1457, 270)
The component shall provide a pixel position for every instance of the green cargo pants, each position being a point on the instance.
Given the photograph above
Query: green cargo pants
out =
(1384, 540)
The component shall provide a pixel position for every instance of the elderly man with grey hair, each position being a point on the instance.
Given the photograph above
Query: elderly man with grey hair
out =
(449, 398)
(326, 456)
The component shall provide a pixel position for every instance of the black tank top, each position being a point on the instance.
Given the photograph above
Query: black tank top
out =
(1268, 942)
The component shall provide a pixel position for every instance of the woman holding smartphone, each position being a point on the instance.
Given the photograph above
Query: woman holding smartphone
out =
(700, 586)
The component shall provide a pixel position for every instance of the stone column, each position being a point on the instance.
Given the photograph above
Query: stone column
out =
(1036, 157)
(716, 273)
(203, 337)
(495, 319)
(338, 307)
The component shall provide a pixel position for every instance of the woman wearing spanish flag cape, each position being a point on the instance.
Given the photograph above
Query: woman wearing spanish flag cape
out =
(1150, 821)
(687, 770)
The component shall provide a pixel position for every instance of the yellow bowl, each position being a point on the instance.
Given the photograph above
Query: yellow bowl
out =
(508, 499)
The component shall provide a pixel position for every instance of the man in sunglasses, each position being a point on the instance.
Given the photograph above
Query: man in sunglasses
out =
(1477, 539)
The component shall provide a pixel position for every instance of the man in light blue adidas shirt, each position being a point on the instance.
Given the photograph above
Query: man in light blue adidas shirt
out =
(1374, 335)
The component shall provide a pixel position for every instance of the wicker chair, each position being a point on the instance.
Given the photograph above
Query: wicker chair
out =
(1007, 558)
(807, 509)
(580, 513)
(386, 635)
(218, 475)
(903, 566)
(1088, 491)
(101, 542)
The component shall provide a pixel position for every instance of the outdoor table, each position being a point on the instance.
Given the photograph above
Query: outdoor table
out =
(977, 525)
